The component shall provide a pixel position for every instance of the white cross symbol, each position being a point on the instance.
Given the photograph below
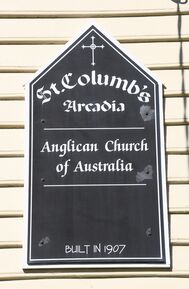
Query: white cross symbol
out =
(93, 46)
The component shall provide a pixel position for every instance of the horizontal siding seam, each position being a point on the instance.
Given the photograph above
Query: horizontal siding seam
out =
(11, 154)
(172, 151)
(10, 244)
(20, 124)
(11, 214)
(20, 153)
(19, 96)
(28, 275)
(11, 125)
(11, 97)
(121, 39)
(179, 211)
(20, 214)
(175, 122)
(11, 183)
(18, 244)
(28, 69)
(20, 183)
(92, 14)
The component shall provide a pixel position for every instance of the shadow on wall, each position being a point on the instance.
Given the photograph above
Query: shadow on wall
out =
(181, 63)
(179, 3)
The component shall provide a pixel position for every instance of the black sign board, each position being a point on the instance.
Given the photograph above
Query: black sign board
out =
(96, 165)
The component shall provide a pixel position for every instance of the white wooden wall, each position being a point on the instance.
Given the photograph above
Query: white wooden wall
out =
(32, 33)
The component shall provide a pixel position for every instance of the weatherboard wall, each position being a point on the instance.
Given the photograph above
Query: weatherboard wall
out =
(31, 34)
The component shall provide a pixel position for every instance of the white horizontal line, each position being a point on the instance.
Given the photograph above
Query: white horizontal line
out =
(100, 258)
(92, 128)
(96, 185)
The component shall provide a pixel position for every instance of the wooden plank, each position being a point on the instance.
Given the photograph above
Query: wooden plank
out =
(97, 11)
(62, 5)
(11, 200)
(91, 275)
(178, 196)
(121, 39)
(178, 168)
(13, 83)
(176, 82)
(162, 54)
(11, 169)
(35, 56)
(32, 69)
(12, 111)
(92, 14)
(11, 261)
(67, 27)
(11, 140)
(13, 228)
(180, 258)
(176, 111)
(111, 283)
(179, 227)
(177, 139)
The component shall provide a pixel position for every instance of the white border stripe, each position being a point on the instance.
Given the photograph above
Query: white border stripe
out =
(96, 185)
(92, 128)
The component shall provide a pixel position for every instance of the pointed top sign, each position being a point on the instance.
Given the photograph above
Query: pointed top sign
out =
(92, 32)
(96, 165)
